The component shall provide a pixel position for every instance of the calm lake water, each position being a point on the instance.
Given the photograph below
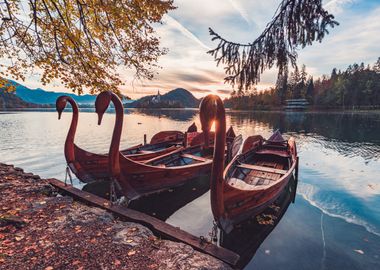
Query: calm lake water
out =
(335, 221)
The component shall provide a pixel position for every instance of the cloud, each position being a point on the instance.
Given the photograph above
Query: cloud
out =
(185, 34)
(337, 6)
(243, 12)
(355, 40)
(202, 91)
(199, 78)
(224, 92)
(174, 23)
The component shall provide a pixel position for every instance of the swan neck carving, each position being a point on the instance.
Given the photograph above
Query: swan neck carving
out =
(212, 109)
(102, 102)
(69, 143)
(114, 161)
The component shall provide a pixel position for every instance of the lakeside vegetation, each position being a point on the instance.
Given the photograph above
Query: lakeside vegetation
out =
(357, 87)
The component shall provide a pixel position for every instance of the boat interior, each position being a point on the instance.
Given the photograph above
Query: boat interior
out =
(188, 156)
(259, 167)
(148, 148)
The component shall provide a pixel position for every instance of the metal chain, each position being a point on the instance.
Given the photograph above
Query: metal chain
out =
(202, 240)
(214, 233)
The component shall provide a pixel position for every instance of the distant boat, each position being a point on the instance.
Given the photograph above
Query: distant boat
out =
(300, 104)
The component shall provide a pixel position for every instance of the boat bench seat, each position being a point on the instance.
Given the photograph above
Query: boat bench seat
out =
(261, 168)
(250, 185)
(145, 152)
(161, 165)
(281, 153)
(202, 159)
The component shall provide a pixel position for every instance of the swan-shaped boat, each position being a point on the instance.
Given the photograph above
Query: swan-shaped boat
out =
(135, 178)
(90, 167)
(253, 179)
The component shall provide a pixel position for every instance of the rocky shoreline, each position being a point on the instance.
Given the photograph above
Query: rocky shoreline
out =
(40, 229)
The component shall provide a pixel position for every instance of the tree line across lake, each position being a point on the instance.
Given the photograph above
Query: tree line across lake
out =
(358, 87)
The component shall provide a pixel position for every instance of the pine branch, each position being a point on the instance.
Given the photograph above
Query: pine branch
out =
(296, 23)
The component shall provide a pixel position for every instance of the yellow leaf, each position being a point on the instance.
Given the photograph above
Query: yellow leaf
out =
(131, 253)
(19, 237)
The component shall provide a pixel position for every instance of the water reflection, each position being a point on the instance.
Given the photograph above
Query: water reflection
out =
(160, 205)
(246, 238)
(348, 133)
(175, 114)
(338, 192)
(345, 127)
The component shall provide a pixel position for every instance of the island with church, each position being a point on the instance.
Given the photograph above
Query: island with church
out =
(177, 98)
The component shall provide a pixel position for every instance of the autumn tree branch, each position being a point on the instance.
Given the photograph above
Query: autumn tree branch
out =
(82, 43)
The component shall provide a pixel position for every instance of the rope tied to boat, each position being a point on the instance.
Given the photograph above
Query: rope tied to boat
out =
(114, 187)
(68, 174)
(113, 194)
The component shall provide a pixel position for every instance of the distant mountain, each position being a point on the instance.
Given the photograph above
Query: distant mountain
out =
(40, 96)
(11, 101)
(177, 98)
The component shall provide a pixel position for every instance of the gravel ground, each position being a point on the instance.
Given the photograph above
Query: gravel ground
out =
(42, 230)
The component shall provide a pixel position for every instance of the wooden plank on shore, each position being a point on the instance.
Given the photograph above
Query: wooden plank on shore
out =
(159, 227)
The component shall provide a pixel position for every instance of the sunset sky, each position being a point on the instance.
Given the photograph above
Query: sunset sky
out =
(185, 34)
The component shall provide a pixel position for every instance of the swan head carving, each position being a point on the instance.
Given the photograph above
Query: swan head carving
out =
(60, 105)
(208, 111)
(102, 102)
(192, 128)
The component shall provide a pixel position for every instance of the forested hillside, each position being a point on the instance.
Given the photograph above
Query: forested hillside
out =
(8, 100)
(177, 98)
(356, 87)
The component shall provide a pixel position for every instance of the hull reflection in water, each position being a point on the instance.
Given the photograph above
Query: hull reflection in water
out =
(246, 238)
(178, 115)
(160, 205)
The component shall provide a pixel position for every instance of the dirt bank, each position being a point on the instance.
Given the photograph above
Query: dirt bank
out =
(42, 230)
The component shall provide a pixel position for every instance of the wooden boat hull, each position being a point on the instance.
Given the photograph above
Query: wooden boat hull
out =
(135, 178)
(239, 207)
(138, 179)
(250, 188)
(90, 167)
(170, 136)
(247, 238)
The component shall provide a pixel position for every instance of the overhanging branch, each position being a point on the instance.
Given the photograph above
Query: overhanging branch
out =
(296, 23)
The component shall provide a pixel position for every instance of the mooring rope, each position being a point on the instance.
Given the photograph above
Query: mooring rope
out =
(68, 173)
